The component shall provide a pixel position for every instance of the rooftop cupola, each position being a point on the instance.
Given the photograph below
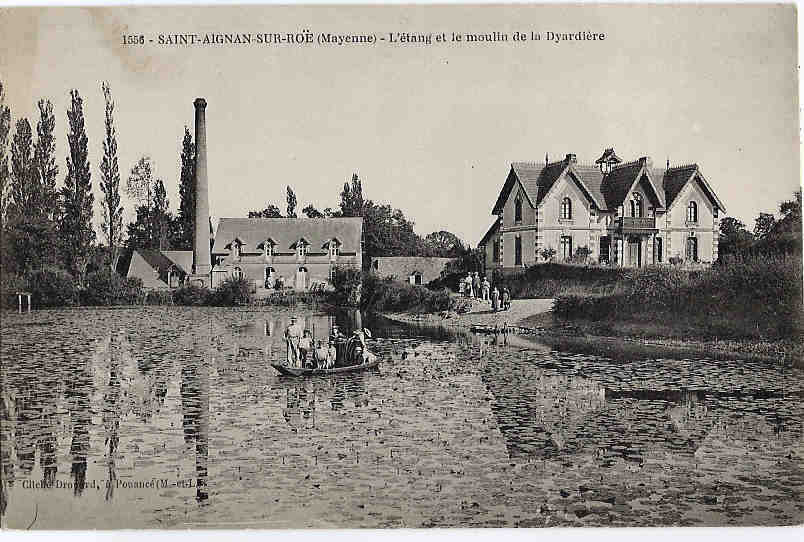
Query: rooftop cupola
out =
(608, 160)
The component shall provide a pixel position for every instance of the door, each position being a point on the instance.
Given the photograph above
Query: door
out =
(635, 253)
(301, 278)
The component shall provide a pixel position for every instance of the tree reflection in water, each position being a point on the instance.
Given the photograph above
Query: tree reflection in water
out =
(195, 389)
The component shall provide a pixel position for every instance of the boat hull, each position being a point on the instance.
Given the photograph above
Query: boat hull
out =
(300, 372)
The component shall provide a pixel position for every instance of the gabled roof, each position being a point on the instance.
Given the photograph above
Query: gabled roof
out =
(622, 179)
(402, 267)
(492, 229)
(287, 231)
(676, 178)
(607, 191)
(152, 266)
(538, 179)
(512, 180)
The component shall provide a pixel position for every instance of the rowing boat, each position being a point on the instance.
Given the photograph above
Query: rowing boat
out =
(298, 371)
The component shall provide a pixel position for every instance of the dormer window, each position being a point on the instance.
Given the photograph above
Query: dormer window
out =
(268, 248)
(518, 209)
(334, 249)
(235, 249)
(301, 248)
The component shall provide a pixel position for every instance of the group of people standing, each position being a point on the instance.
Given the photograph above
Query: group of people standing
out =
(340, 350)
(473, 286)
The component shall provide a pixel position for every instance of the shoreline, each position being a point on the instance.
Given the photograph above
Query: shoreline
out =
(534, 317)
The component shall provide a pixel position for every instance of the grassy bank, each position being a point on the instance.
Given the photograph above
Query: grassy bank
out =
(753, 299)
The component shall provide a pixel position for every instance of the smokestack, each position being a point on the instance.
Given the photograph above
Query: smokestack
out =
(202, 259)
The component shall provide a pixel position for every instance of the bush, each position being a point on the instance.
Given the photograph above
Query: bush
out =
(758, 298)
(347, 282)
(232, 292)
(389, 295)
(158, 297)
(10, 284)
(108, 288)
(191, 295)
(53, 288)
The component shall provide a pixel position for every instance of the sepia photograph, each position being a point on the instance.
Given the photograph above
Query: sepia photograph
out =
(304, 267)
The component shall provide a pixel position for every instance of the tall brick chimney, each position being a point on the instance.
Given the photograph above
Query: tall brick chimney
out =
(202, 259)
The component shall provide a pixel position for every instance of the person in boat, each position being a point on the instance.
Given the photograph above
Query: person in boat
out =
(293, 335)
(321, 355)
(305, 348)
(495, 299)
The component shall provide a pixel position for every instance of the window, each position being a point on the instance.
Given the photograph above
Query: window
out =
(235, 249)
(268, 248)
(566, 209)
(518, 251)
(376, 264)
(636, 205)
(237, 273)
(415, 278)
(301, 249)
(334, 249)
(518, 210)
(495, 256)
(692, 212)
(566, 247)
(692, 249)
(658, 250)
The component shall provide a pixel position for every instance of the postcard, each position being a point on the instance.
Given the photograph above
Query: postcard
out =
(400, 266)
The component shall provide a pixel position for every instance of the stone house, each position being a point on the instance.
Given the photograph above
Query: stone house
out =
(628, 214)
(412, 269)
(303, 251)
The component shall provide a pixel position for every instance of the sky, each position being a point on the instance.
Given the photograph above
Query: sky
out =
(431, 130)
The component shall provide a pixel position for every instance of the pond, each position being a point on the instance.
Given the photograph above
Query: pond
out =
(170, 417)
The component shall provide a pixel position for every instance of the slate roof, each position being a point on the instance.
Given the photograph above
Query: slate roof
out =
(489, 233)
(287, 231)
(151, 265)
(401, 267)
(607, 191)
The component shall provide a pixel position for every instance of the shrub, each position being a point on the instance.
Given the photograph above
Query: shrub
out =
(10, 284)
(232, 292)
(108, 288)
(158, 297)
(548, 254)
(190, 295)
(389, 295)
(347, 282)
(52, 288)
(742, 298)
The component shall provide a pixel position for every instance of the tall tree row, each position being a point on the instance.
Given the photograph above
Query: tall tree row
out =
(76, 230)
(110, 182)
(5, 184)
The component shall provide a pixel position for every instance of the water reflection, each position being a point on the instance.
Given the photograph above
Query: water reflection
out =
(454, 429)
(195, 392)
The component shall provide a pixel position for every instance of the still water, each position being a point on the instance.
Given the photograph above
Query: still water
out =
(169, 417)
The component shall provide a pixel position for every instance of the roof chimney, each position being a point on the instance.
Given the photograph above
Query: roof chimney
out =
(202, 259)
(570, 159)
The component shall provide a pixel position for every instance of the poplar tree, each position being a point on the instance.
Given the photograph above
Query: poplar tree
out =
(110, 183)
(291, 203)
(76, 232)
(45, 161)
(5, 184)
(185, 221)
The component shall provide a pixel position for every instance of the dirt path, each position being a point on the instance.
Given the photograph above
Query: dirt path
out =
(482, 314)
